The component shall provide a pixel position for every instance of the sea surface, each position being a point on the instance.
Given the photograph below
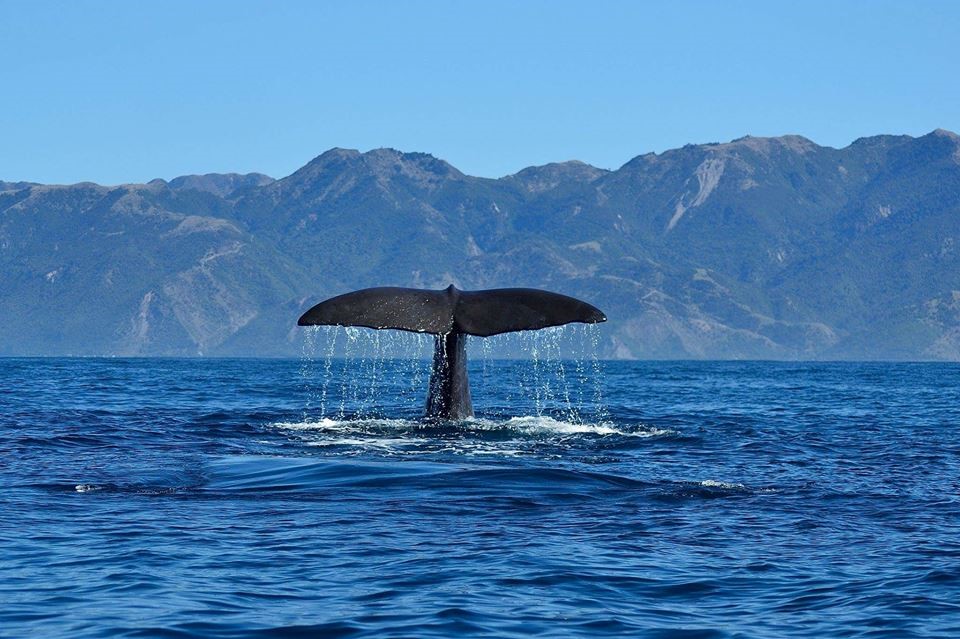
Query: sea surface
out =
(307, 498)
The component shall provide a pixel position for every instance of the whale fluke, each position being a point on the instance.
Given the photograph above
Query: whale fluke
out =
(481, 313)
(451, 314)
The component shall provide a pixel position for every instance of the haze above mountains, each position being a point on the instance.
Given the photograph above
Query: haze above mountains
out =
(755, 248)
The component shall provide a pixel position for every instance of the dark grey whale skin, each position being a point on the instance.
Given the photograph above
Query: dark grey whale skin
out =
(451, 314)
(449, 394)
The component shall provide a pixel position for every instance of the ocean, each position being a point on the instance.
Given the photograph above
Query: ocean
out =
(306, 498)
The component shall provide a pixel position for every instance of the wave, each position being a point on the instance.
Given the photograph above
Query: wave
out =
(264, 474)
(285, 474)
(530, 424)
(533, 435)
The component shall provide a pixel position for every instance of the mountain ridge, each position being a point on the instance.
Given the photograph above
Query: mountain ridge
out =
(755, 248)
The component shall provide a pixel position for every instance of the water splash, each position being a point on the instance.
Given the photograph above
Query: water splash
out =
(564, 376)
(529, 435)
(351, 373)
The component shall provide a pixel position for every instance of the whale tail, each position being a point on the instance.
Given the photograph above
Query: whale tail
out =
(450, 315)
(481, 313)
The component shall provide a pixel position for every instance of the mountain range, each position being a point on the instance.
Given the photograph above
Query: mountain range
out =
(756, 248)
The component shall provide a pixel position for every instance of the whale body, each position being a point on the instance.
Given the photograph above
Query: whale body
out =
(451, 315)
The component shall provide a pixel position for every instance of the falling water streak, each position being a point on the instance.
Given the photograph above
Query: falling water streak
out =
(372, 365)
(307, 370)
(346, 387)
(533, 340)
(378, 368)
(542, 367)
(383, 341)
(485, 355)
(332, 334)
(570, 411)
(414, 367)
(581, 369)
(421, 364)
(496, 368)
(373, 385)
(527, 384)
(356, 363)
(599, 408)
(513, 388)
(402, 353)
(360, 374)
(558, 387)
(391, 344)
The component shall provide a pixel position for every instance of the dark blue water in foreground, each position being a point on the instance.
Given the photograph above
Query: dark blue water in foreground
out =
(181, 498)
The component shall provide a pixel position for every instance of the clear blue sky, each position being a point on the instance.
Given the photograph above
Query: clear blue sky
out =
(127, 91)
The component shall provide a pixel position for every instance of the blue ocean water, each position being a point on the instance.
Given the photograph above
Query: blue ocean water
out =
(262, 498)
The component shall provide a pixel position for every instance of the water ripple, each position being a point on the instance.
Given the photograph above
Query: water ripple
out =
(239, 498)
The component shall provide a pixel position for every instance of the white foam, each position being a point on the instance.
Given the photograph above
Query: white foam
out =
(371, 442)
(545, 424)
(712, 483)
(346, 425)
(530, 424)
(530, 435)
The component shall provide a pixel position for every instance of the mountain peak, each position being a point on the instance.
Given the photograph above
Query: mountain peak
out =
(943, 141)
(220, 184)
(15, 186)
(384, 164)
(336, 153)
(943, 133)
(537, 179)
(763, 146)
(767, 145)
(387, 162)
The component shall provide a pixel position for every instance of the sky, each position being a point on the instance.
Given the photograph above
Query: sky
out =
(115, 92)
